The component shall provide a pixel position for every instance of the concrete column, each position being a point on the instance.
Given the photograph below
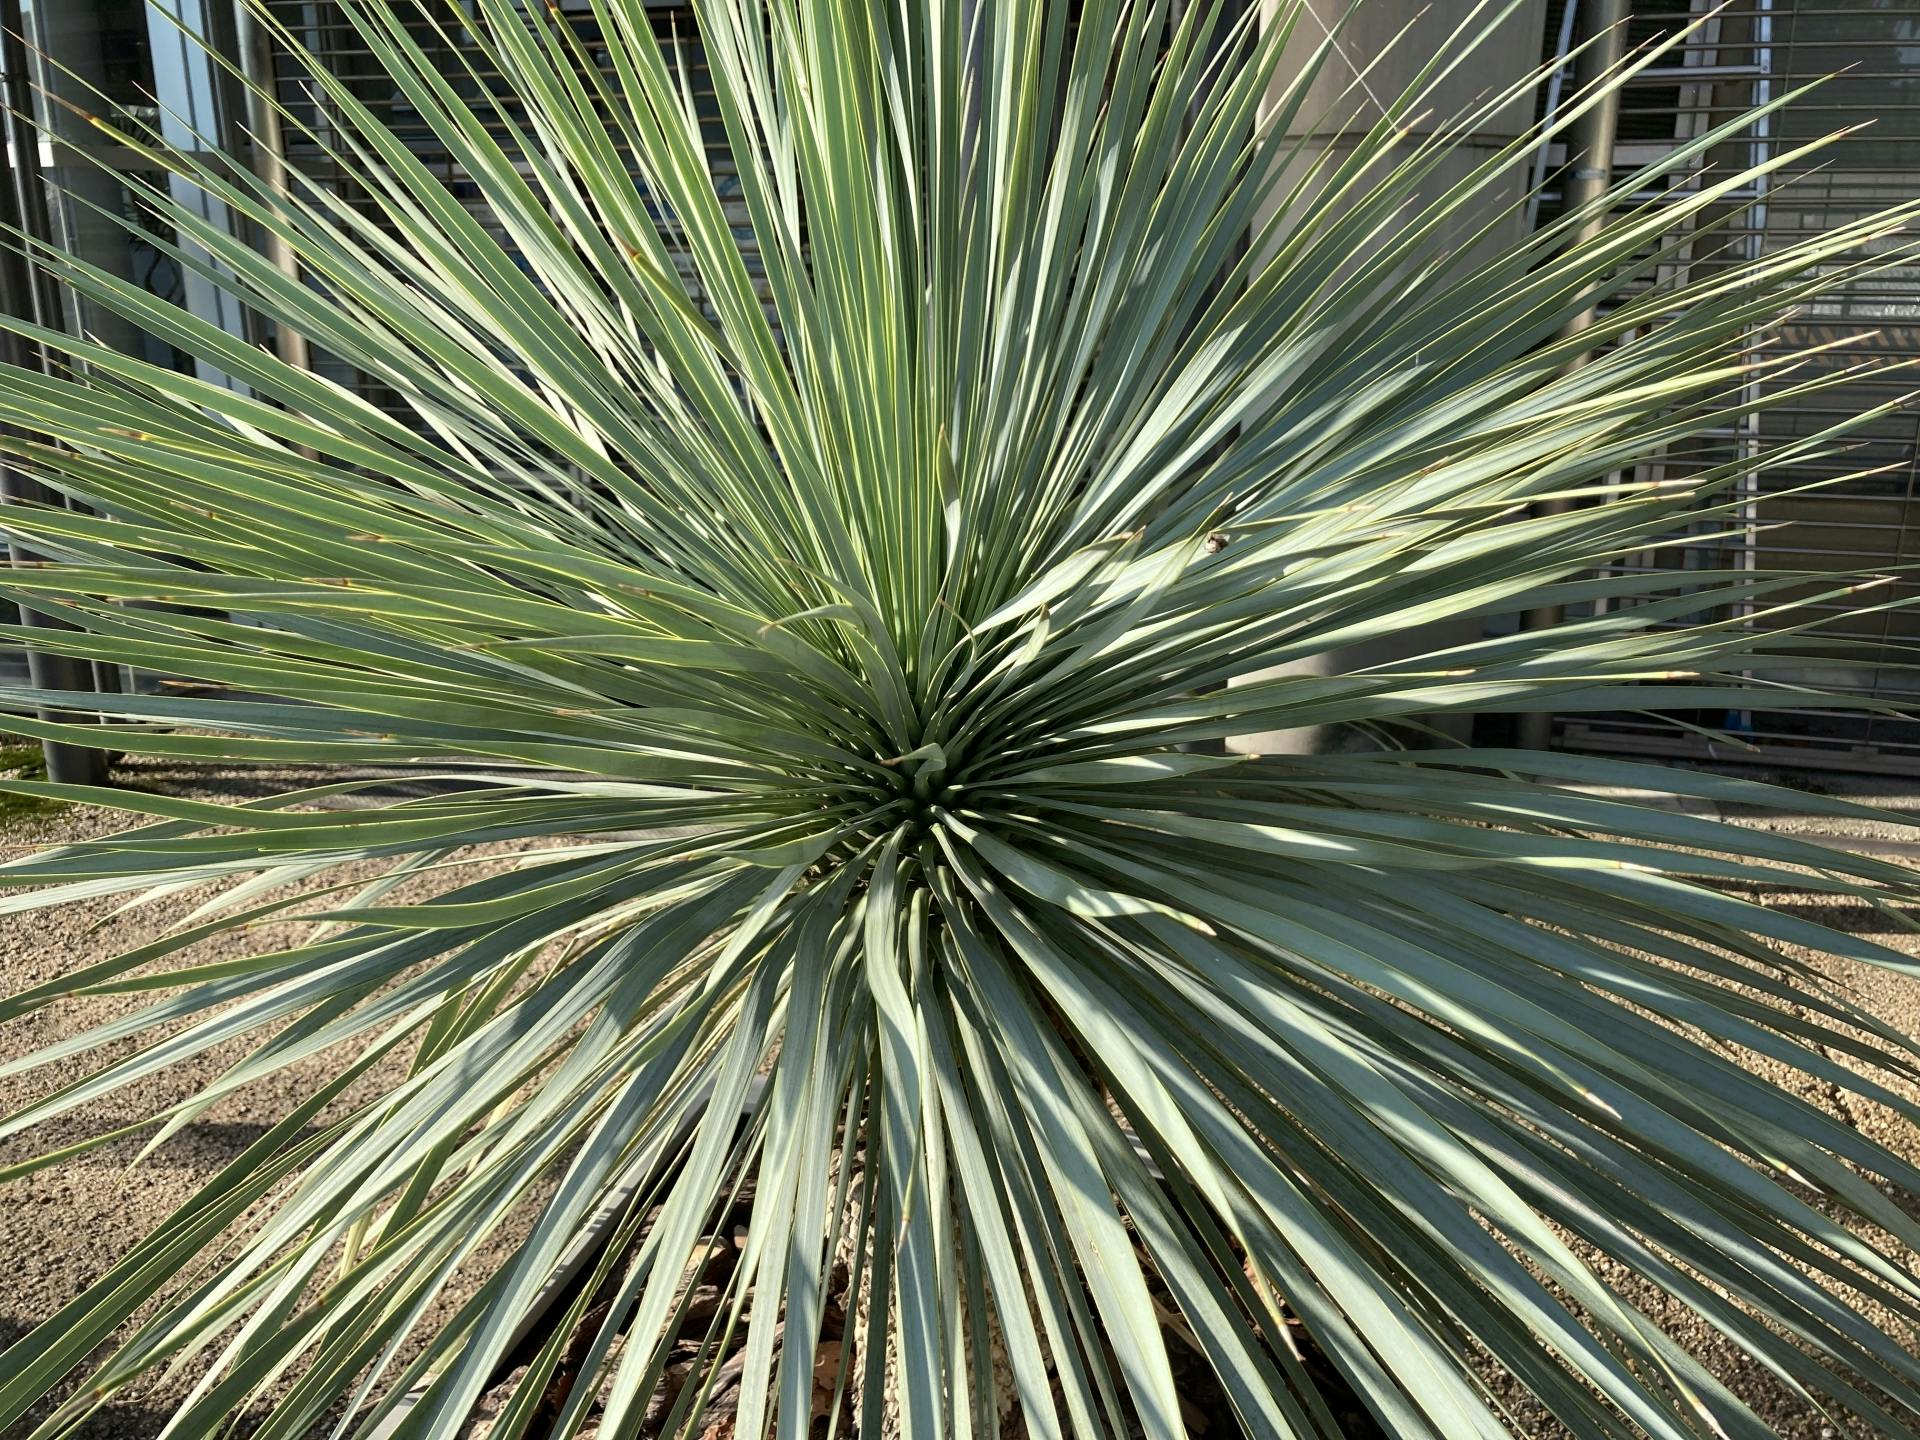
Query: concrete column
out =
(1343, 103)
(1354, 86)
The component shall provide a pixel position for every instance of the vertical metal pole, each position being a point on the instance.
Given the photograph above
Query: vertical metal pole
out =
(1586, 178)
(269, 159)
(23, 208)
(1231, 13)
(1556, 83)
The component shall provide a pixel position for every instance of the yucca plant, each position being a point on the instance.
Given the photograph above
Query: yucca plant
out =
(843, 656)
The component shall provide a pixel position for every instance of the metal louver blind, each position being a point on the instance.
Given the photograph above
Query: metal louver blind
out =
(324, 31)
(1743, 55)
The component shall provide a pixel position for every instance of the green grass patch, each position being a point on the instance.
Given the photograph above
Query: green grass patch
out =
(24, 762)
(18, 755)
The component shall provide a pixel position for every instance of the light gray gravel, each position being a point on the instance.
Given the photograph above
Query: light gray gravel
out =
(62, 1227)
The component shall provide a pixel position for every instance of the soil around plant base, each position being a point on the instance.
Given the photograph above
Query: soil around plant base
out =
(703, 1376)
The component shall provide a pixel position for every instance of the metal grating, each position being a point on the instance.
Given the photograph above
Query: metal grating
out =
(1742, 55)
(324, 31)
(1748, 51)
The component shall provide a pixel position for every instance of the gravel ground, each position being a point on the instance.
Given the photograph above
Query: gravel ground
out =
(64, 1226)
(1892, 998)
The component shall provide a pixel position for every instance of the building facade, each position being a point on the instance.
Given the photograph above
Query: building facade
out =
(1856, 510)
